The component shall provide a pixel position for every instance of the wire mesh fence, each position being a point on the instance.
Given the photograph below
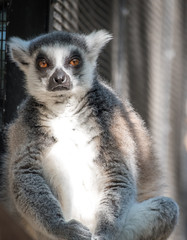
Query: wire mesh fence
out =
(3, 27)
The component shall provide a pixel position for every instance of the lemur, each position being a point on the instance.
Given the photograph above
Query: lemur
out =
(79, 163)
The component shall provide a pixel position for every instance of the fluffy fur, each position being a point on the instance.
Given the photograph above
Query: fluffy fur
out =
(79, 163)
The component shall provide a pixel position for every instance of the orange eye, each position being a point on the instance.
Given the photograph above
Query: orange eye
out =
(42, 63)
(74, 62)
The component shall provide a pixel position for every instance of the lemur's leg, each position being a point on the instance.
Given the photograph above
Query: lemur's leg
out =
(153, 219)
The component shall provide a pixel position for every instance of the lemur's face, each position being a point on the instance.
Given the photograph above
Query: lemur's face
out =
(60, 69)
(58, 64)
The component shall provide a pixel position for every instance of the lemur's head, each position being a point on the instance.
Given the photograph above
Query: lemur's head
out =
(58, 63)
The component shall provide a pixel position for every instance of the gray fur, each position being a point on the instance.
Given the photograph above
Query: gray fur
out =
(63, 38)
(107, 137)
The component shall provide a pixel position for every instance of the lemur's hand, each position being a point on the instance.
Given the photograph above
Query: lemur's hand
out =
(75, 230)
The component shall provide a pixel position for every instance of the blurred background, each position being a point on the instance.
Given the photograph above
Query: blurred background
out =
(146, 62)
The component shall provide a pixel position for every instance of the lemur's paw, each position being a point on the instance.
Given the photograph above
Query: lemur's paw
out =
(77, 231)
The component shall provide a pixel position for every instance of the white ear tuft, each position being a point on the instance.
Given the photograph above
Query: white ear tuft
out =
(96, 41)
(18, 51)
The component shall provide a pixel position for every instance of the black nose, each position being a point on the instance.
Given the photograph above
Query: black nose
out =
(59, 76)
(59, 81)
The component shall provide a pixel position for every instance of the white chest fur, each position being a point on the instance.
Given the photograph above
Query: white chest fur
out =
(71, 170)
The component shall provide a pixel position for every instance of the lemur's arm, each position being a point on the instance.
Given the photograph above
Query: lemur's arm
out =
(35, 201)
(118, 196)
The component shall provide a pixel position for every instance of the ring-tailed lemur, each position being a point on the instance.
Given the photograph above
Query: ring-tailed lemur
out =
(79, 163)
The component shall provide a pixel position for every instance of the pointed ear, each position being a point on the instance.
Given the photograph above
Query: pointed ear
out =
(96, 41)
(19, 52)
